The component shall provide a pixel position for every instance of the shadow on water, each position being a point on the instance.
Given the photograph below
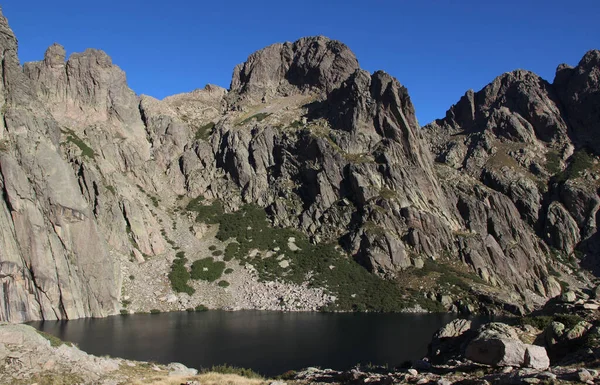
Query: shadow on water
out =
(267, 342)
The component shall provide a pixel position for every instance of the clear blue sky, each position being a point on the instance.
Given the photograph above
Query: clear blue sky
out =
(438, 49)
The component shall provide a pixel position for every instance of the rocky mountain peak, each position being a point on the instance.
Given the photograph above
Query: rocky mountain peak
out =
(55, 55)
(283, 68)
(85, 89)
(5, 31)
(579, 91)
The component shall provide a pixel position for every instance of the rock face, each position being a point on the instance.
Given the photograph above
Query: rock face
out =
(313, 62)
(54, 260)
(498, 344)
(485, 204)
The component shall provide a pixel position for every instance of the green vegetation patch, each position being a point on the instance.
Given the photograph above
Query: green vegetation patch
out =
(542, 322)
(296, 124)
(223, 283)
(229, 270)
(86, 150)
(579, 162)
(227, 369)
(553, 162)
(207, 213)
(54, 341)
(323, 265)
(205, 131)
(200, 308)
(207, 269)
(258, 117)
(179, 276)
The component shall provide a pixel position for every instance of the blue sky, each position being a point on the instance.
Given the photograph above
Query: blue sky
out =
(438, 49)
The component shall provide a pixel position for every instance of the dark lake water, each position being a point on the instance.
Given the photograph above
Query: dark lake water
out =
(268, 342)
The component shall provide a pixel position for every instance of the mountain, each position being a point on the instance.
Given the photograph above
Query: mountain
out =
(113, 202)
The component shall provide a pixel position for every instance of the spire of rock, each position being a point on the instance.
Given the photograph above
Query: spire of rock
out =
(55, 55)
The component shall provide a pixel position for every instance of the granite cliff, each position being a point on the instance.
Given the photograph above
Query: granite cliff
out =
(491, 209)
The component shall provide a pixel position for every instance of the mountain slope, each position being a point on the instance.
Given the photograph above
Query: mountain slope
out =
(111, 200)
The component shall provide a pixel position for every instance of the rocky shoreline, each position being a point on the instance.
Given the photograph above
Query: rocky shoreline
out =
(557, 346)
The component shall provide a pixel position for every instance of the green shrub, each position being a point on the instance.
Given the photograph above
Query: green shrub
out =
(217, 253)
(231, 251)
(125, 303)
(539, 322)
(223, 283)
(179, 277)
(154, 311)
(258, 117)
(226, 369)
(290, 375)
(553, 162)
(569, 320)
(124, 312)
(180, 254)
(296, 124)
(201, 308)
(207, 269)
(54, 341)
(229, 270)
(579, 162)
(86, 150)
(212, 247)
(205, 131)
(206, 213)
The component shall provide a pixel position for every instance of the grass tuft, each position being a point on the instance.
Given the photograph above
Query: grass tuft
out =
(207, 269)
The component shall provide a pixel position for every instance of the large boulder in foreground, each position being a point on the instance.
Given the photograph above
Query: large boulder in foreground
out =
(497, 344)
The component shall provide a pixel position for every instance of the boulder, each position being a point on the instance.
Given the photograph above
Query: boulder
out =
(536, 357)
(447, 341)
(568, 297)
(498, 344)
(578, 330)
(179, 370)
(496, 352)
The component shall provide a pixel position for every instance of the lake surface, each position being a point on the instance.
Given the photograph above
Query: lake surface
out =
(268, 342)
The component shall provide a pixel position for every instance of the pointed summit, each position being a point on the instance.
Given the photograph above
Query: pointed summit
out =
(55, 55)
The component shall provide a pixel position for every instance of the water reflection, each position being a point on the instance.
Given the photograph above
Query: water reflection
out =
(268, 342)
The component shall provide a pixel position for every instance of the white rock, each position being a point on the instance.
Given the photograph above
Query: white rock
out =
(536, 357)
(284, 264)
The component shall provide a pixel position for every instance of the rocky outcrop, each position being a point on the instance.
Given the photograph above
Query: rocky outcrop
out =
(498, 344)
(281, 69)
(54, 259)
(579, 91)
(525, 138)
